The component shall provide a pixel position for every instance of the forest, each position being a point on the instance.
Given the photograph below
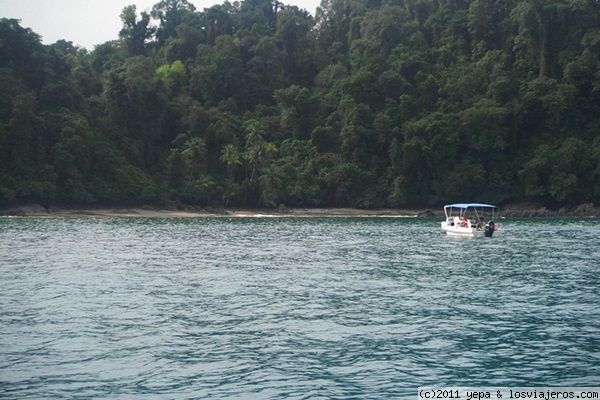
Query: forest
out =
(254, 103)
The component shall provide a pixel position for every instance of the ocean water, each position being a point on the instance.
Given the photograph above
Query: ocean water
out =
(293, 308)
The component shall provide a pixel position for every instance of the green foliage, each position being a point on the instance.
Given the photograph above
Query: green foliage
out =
(135, 32)
(256, 103)
(564, 171)
(174, 75)
(171, 14)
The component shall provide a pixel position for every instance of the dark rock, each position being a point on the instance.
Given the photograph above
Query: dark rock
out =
(27, 210)
(426, 213)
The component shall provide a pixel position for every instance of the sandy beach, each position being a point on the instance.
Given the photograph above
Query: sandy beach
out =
(511, 210)
(195, 212)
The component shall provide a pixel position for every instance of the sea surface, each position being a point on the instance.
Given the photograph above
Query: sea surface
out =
(293, 308)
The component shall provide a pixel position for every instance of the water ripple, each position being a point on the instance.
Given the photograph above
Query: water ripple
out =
(219, 308)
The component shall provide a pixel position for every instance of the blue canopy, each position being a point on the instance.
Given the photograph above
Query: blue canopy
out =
(469, 205)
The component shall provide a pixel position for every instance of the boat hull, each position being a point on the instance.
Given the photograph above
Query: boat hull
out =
(464, 231)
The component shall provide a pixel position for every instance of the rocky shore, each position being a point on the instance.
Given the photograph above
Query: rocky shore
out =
(510, 210)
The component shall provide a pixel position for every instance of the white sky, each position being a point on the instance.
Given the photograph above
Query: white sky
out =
(90, 22)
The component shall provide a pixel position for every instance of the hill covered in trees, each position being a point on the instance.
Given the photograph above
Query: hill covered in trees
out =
(370, 103)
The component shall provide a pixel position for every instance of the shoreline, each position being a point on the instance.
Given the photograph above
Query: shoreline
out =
(34, 211)
(510, 210)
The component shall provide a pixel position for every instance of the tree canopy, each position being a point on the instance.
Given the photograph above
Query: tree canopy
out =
(382, 103)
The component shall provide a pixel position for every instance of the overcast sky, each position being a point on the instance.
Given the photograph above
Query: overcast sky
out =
(90, 22)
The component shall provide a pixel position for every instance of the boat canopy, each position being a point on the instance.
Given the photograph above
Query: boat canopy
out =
(464, 208)
(470, 205)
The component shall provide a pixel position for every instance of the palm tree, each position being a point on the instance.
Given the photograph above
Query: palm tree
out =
(270, 181)
(231, 156)
(254, 135)
(194, 151)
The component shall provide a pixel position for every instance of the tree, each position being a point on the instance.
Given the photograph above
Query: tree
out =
(193, 153)
(174, 75)
(558, 171)
(135, 32)
(258, 16)
(430, 149)
(296, 110)
(220, 75)
(294, 33)
(171, 14)
(265, 72)
(231, 156)
(137, 104)
(218, 22)
(31, 178)
(383, 29)
(22, 52)
(270, 181)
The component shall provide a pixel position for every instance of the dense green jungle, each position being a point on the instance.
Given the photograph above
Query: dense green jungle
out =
(254, 103)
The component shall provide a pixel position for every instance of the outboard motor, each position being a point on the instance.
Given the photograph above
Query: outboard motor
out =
(489, 229)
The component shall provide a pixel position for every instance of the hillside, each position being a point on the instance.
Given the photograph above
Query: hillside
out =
(368, 104)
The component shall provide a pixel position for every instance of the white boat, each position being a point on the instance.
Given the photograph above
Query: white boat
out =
(469, 220)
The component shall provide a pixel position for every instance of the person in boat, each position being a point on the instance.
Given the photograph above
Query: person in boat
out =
(480, 224)
(465, 223)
